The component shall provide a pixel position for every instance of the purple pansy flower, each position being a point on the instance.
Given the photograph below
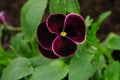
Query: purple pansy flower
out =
(5, 34)
(4, 18)
(59, 35)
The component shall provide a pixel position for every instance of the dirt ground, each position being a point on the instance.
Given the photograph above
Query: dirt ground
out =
(88, 7)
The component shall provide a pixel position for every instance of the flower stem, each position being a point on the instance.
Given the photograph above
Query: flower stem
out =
(13, 28)
(106, 53)
(103, 50)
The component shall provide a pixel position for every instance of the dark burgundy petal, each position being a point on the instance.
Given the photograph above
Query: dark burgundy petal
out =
(55, 23)
(75, 28)
(4, 18)
(47, 53)
(45, 37)
(63, 47)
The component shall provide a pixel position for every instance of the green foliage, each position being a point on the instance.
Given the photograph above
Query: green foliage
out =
(31, 16)
(17, 43)
(101, 18)
(40, 61)
(88, 21)
(73, 6)
(57, 6)
(4, 57)
(81, 49)
(55, 71)
(20, 46)
(64, 6)
(82, 68)
(18, 68)
(95, 25)
(112, 41)
(112, 72)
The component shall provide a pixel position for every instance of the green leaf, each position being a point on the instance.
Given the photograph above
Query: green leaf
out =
(19, 45)
(55, 71)
(112, 41)
(81, 48)
(57, 6)
(40, 61)
(95, 26)
(64, 6)
(101, 63)
(88, 21)
(73, 6)
(31, 16)
(112, 72)
(18, 68)
(4, 58)
(82, 68)
(103, 16)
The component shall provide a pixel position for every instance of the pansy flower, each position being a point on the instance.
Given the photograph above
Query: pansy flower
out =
(4, 19)
(59, 35)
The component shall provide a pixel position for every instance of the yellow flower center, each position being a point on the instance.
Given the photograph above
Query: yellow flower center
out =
(63, 34)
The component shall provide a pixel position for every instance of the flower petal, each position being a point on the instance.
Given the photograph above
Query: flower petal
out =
(55, 23)
(45, 37)
(47, 53)
(74, 26)
(63, 47)
(4, 18)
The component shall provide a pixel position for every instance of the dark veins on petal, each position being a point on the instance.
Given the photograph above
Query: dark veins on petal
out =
(45, 37)
(75, 27)
(58, 36)
(55, 23)
(63, 46)
(47, 53)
